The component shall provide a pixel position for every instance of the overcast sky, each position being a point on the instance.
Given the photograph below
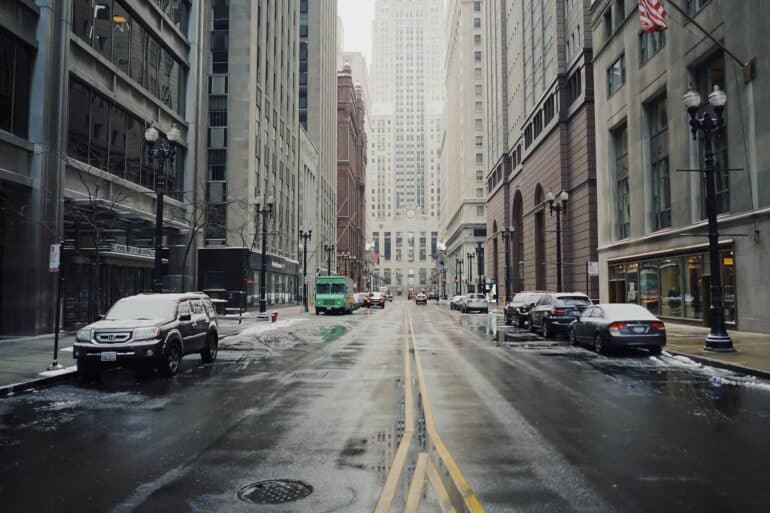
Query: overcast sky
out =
(357, 18)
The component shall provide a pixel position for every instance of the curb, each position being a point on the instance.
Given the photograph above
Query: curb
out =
(723, 365)
(34, 384)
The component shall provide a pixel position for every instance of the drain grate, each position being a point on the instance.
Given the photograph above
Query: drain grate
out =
(275, 491)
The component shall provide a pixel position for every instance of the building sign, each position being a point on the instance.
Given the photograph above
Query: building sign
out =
(133, 251)
(277, 265)
(593, 268)
(54, 258)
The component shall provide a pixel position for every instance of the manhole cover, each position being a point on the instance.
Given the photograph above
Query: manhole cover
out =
(276, 491)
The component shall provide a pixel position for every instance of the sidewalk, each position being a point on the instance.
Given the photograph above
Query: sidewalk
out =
(23, 360)
(751, 356)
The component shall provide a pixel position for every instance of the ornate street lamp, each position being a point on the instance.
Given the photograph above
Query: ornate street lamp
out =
(265, 211)
(160, 152)
(329, 248)
(507, 234)
(717, 339)
(305, 236)
(558, 204)
(470, 255)
(480, 267)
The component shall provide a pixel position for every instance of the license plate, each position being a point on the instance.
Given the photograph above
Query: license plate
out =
(639, 329)
(109, 356)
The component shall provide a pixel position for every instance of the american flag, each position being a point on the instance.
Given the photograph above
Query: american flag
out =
(653, 16)
(375, 256)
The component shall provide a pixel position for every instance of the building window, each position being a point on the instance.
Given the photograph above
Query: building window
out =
(650, 43)
(15, 75)
(694, 6)
(477, 74)
(477, 56)
(661, 176)
(476, 6)
(476, 22)
(479, 158)
(574, 87)
(480, 210)
(620, 13)
(616, 75)
(479, 141)
(386, 252)
(477, 39)
(607, 22)
(707, 75)
(622, 200)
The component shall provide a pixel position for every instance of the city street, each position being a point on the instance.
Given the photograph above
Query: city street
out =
(531, 425)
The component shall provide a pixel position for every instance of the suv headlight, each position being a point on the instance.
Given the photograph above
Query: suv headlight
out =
(83, 335)
(146, 333)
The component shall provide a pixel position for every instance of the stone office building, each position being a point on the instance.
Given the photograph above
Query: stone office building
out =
(87, 80)
(652, 245)
(540, 137)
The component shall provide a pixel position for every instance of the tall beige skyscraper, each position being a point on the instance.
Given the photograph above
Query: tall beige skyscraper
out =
(403, 172)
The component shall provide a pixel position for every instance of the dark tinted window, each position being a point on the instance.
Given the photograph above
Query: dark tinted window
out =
(100, 126)
(102, 27)
(79, 108)
(323, 288)
(15, 71)
(338, 288)
(121, 37)
(134, 141)
(117, 163)
(573, 300)
(82, 14)
(153, 63)
(138, 53)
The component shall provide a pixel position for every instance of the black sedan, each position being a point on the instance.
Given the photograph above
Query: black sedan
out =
(517, 310)
(618, 325)
(554, 312)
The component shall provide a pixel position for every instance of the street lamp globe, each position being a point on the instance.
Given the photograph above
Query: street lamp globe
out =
(564, 196)
(692, 99)
(717, 98)
(174, 135)
(151, 134)
(550, 197)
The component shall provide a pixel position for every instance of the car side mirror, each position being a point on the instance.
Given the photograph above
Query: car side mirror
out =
(532, 305)
(185, 317)
(101, 317)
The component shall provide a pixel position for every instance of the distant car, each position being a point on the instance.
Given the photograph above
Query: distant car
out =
(153, 330)
(554, 312)
(517, 310)
(475, 302)
(389, 297)
(421, 299)
(454, 302)
(376, 299)
(432, 295)
(619, 324)
(359, 298)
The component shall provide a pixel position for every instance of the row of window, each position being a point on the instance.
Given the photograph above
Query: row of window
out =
(108, 137)
(15, 75)
(113, 31)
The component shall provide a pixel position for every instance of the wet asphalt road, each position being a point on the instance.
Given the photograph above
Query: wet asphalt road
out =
(534, 426)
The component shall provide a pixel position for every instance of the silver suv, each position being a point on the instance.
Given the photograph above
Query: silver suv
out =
(475, 302)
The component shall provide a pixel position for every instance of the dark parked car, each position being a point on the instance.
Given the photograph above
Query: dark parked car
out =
(149, 330)
(554, 312)
(627, 325)
(517, 311)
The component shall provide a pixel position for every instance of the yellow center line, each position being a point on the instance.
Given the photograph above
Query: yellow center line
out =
(440, 490)
(472, 503)
(418, 482)
(390, 487)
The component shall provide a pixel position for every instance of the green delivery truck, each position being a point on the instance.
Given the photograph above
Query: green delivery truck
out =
(333, 294)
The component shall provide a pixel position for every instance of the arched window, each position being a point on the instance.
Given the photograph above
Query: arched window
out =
(517, 242)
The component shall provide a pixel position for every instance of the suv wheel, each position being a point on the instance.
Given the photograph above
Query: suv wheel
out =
(521, 322)
(172, 359)
(209, 352)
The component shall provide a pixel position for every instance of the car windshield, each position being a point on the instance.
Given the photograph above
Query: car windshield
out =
(476, 296)
(142, 308)
(338, 288)
(524, 298)
(573, 301)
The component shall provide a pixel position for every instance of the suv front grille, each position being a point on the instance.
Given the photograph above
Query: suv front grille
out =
(112, 337)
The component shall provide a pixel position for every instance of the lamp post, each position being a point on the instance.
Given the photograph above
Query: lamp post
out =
(345, 257)
(329, 248)
(480, 267)
(160, 151)
(470, 255)
(305, 236)
(717, 339)
(507, 233)
(558, 204)
(265, 211)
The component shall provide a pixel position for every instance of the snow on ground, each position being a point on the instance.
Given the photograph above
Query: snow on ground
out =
(265, 327)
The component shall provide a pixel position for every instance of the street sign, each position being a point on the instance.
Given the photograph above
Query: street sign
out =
(54, 258)
(593, 268)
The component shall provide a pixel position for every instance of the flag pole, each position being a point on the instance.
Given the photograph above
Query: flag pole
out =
(749, 68)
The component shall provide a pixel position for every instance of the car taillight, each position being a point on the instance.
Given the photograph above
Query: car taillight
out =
(616, 326)
(658, 326)
(557, 312)
(523, 309)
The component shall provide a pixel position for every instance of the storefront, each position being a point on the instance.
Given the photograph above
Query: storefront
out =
(675, 284)
(239, 270)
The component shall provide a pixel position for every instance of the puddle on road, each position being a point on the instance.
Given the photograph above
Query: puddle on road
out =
(333, 333)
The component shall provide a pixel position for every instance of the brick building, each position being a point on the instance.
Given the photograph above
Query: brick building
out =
(540, 138)
(351, 178)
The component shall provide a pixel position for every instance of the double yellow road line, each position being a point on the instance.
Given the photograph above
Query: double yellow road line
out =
(430, 463)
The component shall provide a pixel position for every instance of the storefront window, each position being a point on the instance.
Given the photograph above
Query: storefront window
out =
(693, 287)
(632, 283)
(728, 284)
(671, 286)
(649, 291)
